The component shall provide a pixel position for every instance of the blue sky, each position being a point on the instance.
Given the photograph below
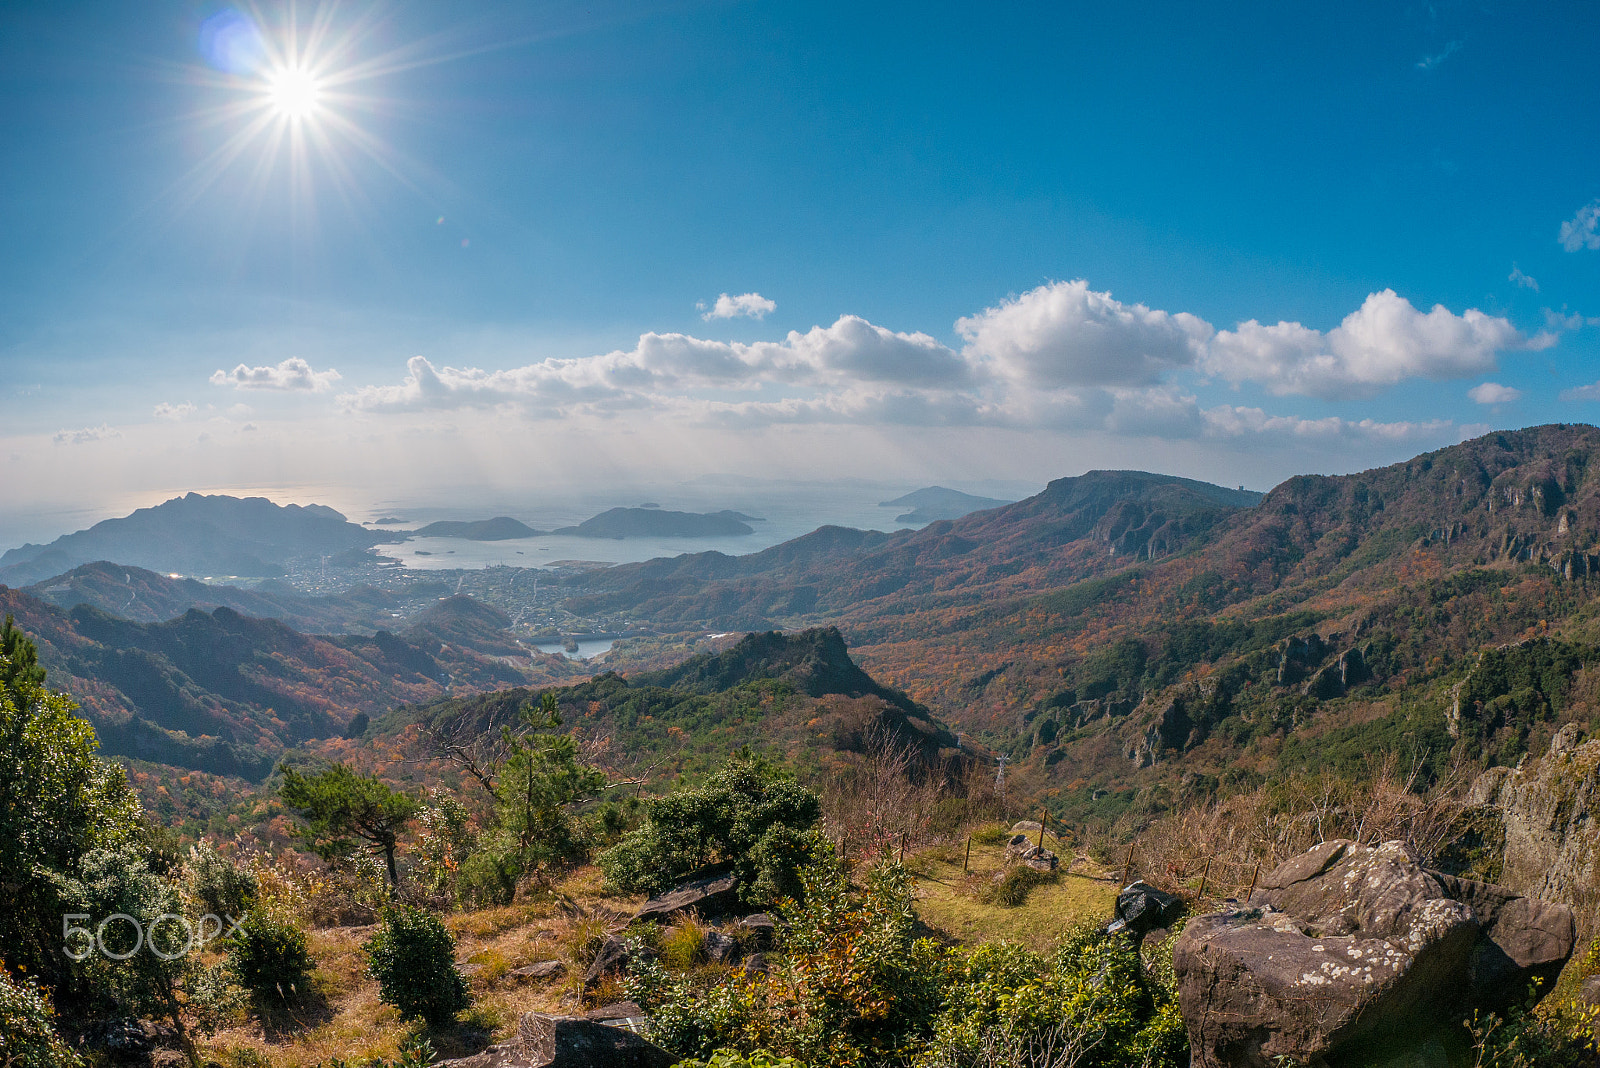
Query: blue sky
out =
(958, 242)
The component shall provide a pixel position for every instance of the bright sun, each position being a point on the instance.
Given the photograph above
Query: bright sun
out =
(293, 92)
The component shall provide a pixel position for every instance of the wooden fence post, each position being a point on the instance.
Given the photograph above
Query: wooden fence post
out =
(902, 847)
(1127, 867)
(968, 859)
(1253, 876)
(1203, 876)
(1043, 815)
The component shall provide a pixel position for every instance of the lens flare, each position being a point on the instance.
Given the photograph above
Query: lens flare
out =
(294, 93)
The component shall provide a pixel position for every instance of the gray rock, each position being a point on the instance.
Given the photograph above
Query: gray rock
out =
(1142, 908)
(614, 957)
(617, 1010)
(1022, 850)
(1550, 811)
(1350, 953)
(721, 948)
(712, 892)
(763, 932)
(568, 1042)
(544, 969)
(756, 964)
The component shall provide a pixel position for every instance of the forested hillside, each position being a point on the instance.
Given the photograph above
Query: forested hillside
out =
(1119, 630)
(223, 692)
(798, 696)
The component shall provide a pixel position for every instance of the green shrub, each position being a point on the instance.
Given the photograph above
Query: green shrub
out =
(268, 956)
(1017, 883)
(61, 803)
(164, 979)
(1558, 1032)
(28, 1036)
(858, 989)
(1091, 1002)
(727, 1058)
(412, 957)
(990, 836)
(446, 843)
(216, 884)
(749, 814)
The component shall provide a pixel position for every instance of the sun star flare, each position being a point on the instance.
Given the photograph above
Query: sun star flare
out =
(294, 93)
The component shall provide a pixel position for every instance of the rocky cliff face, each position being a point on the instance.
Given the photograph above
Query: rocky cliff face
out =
(1550, 810)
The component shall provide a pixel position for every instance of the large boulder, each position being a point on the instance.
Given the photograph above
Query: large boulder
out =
(1142, 908)
(709, 892)
(1348, 952)
(1549, 809)
(568, 1042)
(760, 930)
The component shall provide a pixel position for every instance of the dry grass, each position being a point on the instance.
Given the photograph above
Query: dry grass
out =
(349, 1022)
(1227, 842)
(951, 903)
(882, 799)
(567, 924)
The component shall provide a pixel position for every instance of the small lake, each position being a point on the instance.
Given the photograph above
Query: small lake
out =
(588, 649)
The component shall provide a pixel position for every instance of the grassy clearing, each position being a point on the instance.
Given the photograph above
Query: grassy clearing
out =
(947, 900)
(344, 1018)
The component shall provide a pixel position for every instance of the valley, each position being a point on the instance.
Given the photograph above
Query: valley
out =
(1125, 656)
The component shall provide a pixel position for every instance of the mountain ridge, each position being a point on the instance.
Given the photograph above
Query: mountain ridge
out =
(202, 535)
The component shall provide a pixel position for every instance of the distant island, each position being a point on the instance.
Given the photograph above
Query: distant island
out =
(500, 528)
(661, 523)
(385, 521)
(249, 537)
(936, 502)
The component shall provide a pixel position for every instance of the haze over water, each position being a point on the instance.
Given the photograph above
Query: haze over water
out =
(785, 511)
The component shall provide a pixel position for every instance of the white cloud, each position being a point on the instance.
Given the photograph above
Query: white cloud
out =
(746, 305)
(850, 352)
(1427, 63)
(1583, 229)
(1518, 278)
(1590, 392)
(1065, 334)
(1494, 393)
(86, 435)
(1563, 320)
(1158, 413)
(293, 374)
(1061, 357)
(174, 412)
(901, 407)
(1229, 421)
(1381, 343)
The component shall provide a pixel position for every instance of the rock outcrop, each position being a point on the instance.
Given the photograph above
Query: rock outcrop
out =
(613, 957)
(1348, 951)
(1550, 812)
(568, 1042)
(1141, 908)
(1021, 850)
(709, 892)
